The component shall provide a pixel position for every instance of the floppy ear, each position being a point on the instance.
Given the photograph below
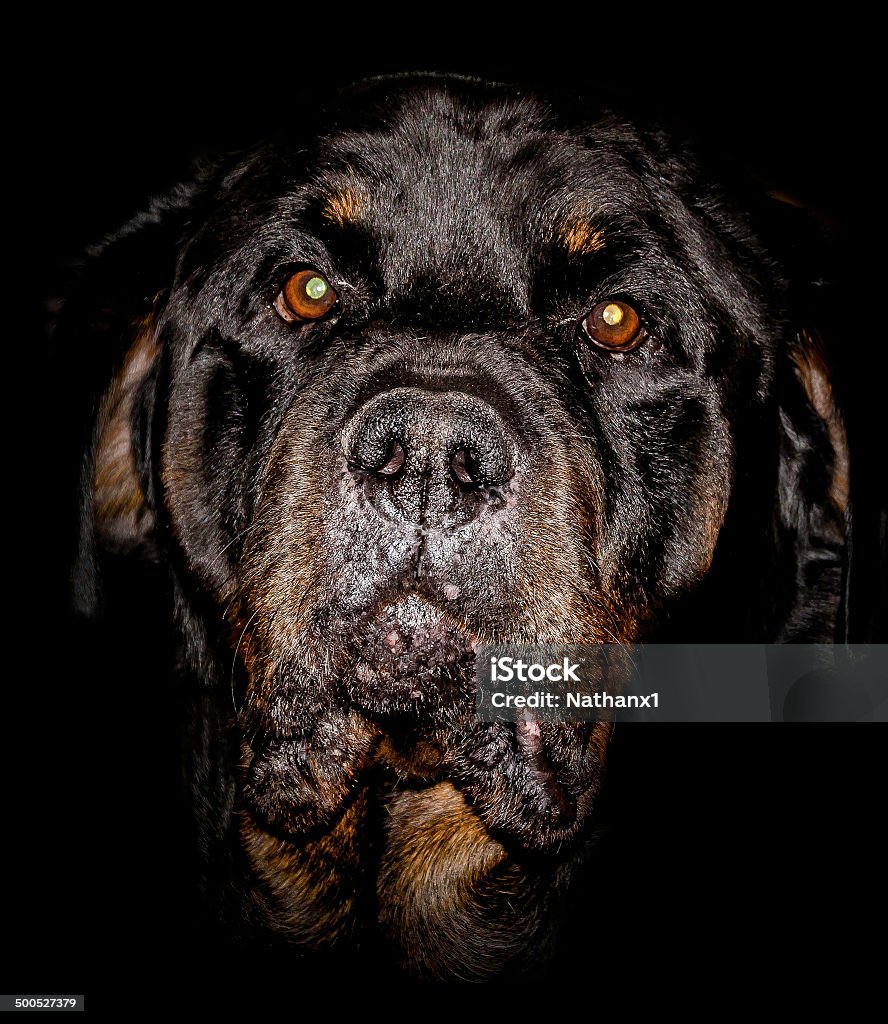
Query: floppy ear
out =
(122, 516)
(811, 366)
(813, 516)
(107, 342)
(814, 508)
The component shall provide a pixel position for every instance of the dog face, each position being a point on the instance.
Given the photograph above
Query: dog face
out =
(438, 369)
(456, 374)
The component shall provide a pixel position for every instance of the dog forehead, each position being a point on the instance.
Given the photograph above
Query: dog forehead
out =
(443, 184)
(435, 139)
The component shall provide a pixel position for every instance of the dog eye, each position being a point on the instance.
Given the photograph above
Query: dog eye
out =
(307, 295)
(614, 326)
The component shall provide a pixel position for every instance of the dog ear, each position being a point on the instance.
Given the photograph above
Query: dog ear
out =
(107, 344)
(812, 368)
(123, 519)
(813, 522)
(814, 497)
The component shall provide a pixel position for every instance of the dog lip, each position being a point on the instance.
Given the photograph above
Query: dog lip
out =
(529, 740)
(410, 658)
(528, 735)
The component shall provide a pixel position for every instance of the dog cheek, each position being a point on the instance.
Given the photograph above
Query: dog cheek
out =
(296, 785)
(194, 522)
(677, 477)
(701, 506)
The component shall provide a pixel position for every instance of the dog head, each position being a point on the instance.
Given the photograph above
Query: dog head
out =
(436, 368)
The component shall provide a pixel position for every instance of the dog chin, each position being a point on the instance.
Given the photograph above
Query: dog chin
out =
(412, 659)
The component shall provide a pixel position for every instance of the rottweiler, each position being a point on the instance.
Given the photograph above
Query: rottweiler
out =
(442, 365)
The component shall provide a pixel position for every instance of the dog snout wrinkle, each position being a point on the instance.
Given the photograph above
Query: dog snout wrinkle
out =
(430, 459)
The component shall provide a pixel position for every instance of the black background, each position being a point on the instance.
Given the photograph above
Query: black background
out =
(731, 852)
(126, 124)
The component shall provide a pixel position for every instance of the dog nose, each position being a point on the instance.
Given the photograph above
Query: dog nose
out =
(429, 458)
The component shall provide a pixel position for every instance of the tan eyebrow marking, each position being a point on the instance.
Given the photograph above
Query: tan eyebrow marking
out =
(344, 207)
(579, 237)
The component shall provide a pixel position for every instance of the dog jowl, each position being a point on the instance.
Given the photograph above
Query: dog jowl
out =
(441, 368)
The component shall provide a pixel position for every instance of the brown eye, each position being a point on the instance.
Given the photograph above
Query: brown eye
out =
(307, 295)
(614, 326)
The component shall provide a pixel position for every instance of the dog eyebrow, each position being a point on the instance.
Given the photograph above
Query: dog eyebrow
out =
(580, 237)
(343, 206)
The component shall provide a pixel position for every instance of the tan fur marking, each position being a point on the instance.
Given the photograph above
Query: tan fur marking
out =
(448, 850)
(119, 500)
(580, 238)
(449, 897)
(416, 763)
(344, 207)
(813, 371)
(304, 888)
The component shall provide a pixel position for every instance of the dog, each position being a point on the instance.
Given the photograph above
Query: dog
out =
(441, 365)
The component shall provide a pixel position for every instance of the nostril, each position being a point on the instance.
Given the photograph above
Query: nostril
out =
(393, 458)
(465, 469)
(397, 456)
